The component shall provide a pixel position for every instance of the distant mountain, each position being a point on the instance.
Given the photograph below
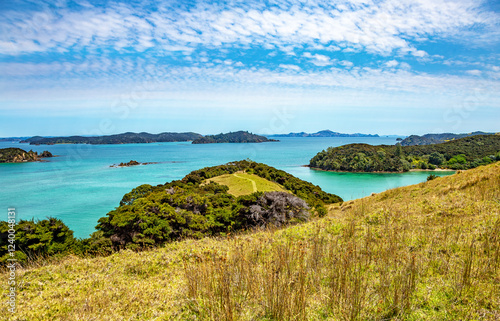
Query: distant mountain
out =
(429, 139)
(12, 139)
(125, 138)
(323, 133)
(236, 137)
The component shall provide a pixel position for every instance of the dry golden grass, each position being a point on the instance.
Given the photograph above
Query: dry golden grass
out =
(424, 252)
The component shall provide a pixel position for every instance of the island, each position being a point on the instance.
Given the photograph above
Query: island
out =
(233, 137)
(463, 153)
(125, 138)
(18, 155)
(323, 133)
(132, 163)
(429, 139)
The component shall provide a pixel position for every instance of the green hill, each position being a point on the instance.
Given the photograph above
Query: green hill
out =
(464, 153)
(424, 252)
(233, 137)
(241, 183)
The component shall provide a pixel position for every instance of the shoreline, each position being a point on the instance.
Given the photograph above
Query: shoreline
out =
(384, 172)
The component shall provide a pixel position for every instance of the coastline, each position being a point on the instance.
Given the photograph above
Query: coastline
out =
(384, 172)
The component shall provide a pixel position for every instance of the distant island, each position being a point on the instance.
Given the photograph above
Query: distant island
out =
(125, 138)
(18, 155)
(233, 137)
(323, 133)
(463, 153)
(12, 139)
(429, 139)
(132, 163)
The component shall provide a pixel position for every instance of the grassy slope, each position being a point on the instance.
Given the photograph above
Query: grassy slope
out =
(423, 252)
(241, 183)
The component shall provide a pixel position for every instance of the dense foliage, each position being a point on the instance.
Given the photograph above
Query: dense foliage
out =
(193, 208)
(236, 137)
(464, 153)
(18, 155)
(429, 139)
(34, 239)
(125, 138)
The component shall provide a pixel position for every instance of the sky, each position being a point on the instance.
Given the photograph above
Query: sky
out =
(370, 66)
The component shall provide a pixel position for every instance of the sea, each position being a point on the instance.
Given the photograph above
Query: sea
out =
(79, 185)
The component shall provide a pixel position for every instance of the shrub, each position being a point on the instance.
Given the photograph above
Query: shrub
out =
(431, 177)
(34, 239)
(275, 208)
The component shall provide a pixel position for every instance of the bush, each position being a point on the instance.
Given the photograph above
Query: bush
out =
(431, 177)
(275, 208)
(35, 239)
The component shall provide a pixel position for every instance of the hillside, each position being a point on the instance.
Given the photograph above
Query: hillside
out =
(323, 133)
(18, 155)
(424, 252)
(233, 137)
(464, 153)
(429, 139)
(125, 138)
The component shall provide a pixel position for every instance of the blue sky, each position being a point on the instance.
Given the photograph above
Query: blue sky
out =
(371, 66)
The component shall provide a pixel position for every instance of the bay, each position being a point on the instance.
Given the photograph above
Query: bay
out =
(79, 186)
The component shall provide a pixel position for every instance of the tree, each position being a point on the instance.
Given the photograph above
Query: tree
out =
(436, 158)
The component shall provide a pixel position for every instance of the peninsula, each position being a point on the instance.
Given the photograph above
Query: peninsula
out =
(464, 153)
(18, 155)
(125, 138)
(233, 137)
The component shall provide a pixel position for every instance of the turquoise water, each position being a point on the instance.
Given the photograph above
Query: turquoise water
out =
(79, 186)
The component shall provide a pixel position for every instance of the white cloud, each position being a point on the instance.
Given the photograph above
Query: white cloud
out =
(474, 72)
(391, 63)
(318, 60)
(377, 27)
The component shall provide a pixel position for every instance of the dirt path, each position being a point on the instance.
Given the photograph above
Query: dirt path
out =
(248, 179)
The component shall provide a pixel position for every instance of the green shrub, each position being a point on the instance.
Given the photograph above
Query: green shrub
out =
(35, 239)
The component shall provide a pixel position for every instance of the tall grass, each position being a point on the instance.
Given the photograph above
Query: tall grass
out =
(380, 261)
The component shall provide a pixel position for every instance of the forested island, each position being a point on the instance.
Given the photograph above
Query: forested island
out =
(132, 163)
(125, 138)
(18, 155)
(233, 137)
(463, 153)
(323, 133)
(429, 139)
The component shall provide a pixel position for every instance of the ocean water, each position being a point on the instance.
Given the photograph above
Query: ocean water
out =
(79, 186)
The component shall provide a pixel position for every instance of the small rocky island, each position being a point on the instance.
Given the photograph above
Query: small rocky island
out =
(132, 163)
(18, 155)
(233, 137)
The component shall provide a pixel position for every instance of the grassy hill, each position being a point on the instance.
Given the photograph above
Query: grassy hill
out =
(244, 184)
(424, 252)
